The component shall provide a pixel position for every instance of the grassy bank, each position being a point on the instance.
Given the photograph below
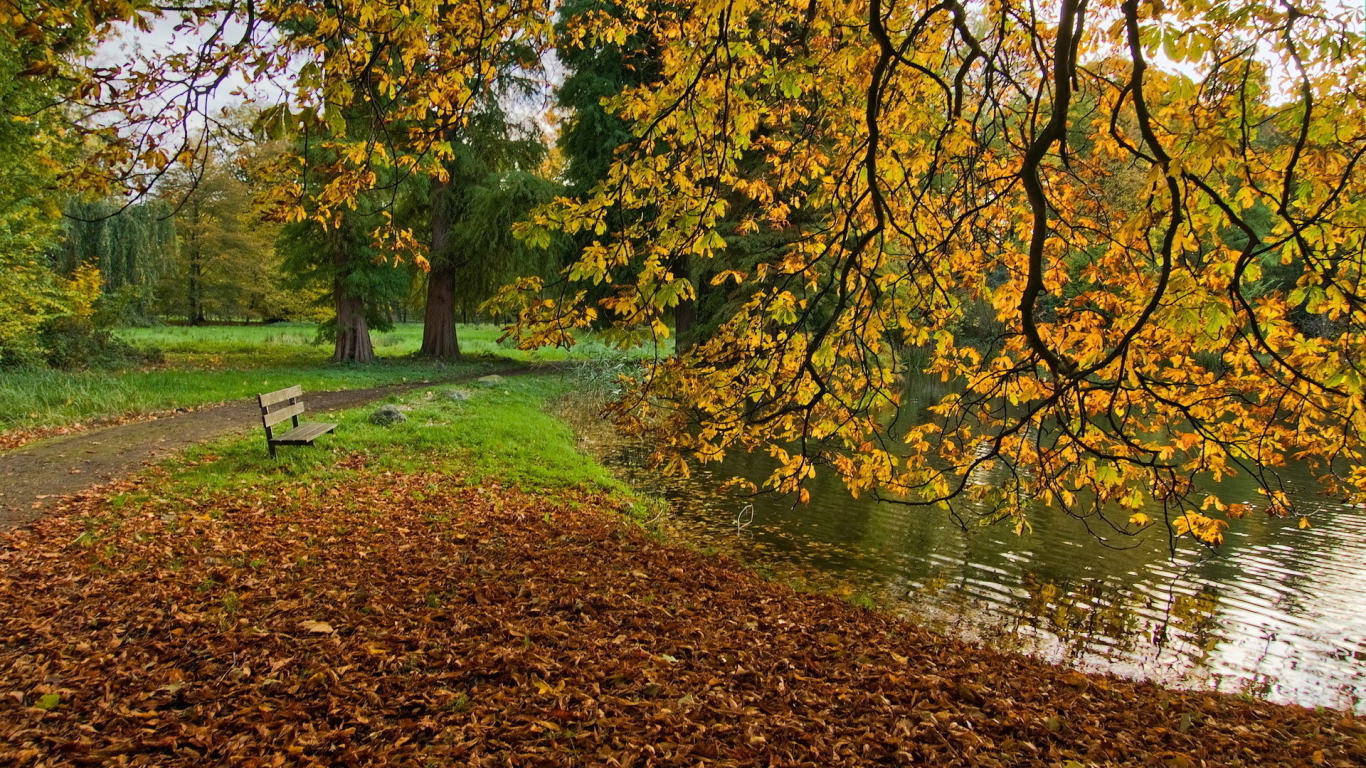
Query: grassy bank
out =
(220, 363)
(480, 434)
(462, 589)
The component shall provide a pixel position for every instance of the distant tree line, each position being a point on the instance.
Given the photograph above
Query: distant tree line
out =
(201, 245)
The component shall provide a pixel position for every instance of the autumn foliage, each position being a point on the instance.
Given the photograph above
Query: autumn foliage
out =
(1128, 235)
(415, 620)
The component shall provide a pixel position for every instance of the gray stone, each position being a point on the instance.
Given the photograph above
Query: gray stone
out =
(459, 395)
(386, 415)
(492, 381)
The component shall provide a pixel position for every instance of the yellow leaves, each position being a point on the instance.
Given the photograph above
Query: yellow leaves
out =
(834, 284)
(83, 290)
(546, 689)
(1205, 529)
(1134, 499)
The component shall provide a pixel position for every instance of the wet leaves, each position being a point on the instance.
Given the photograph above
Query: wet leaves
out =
(412, 620)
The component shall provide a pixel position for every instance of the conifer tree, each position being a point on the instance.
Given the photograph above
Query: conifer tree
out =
(489, 184)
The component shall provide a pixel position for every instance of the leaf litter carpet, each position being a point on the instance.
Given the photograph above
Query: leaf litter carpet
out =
(410, 620)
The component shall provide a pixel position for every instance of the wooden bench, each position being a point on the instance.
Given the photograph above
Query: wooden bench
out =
(288, 404)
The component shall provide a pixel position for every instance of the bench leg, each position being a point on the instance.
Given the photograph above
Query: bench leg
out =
(272, 449)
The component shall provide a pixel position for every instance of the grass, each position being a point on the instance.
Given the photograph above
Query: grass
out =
(215, 364)
(500, 435)
(292, 343)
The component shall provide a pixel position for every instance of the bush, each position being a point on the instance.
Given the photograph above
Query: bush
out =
(72, 346)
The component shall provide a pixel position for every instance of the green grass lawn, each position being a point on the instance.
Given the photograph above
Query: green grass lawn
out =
(220, 363)
(218, 346)
(500, 434)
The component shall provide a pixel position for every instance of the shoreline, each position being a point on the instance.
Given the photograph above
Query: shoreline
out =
(345, 607)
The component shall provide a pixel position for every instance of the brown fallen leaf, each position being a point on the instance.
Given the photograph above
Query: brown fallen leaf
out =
(176, 643)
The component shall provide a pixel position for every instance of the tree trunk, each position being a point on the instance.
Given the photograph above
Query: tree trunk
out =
(439, 337)
(194, 314)
(353, 334)
(685, 313)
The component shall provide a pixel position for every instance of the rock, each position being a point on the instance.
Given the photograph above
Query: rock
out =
(459, 395)
(491, 381)
(386, 415)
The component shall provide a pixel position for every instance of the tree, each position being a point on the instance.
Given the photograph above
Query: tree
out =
(923, 159)
(383, 85)
(131, 245)
(225, 265)
(595, 70)
(33, 149)
(479, 194)
(358, 286)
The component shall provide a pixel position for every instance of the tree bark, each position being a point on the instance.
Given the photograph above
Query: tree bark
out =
(353, 333)
(439, 338)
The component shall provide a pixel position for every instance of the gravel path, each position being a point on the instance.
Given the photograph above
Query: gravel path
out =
(33, 477)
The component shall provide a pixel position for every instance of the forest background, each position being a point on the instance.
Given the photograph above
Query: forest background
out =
(1127, 234)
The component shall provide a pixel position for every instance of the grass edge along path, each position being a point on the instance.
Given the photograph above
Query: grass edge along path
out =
(462, 589)
(217, 364)
(126, 397)
(130, 405)
(34, 478)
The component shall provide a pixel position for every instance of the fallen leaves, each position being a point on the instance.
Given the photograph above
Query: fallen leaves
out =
(464, 627)
(317, 627)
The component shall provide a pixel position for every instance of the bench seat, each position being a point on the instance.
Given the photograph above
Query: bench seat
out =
(286, 405)
(304, 434)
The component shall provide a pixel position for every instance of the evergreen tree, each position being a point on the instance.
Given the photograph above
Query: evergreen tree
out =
(596, 71)
(359, 287)
(590, 133)
(489, 187)
(337, 253)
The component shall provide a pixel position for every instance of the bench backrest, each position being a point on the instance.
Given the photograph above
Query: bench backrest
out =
(281, 405)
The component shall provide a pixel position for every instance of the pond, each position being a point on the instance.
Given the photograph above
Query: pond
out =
(1277, 611)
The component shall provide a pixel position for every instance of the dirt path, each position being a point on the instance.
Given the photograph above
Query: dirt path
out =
(34, 477)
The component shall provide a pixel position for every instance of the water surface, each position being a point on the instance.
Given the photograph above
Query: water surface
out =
(1277, 611)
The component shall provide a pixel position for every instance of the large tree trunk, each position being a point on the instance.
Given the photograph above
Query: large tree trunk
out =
(439, 338)
(353, 333)
(685, 313)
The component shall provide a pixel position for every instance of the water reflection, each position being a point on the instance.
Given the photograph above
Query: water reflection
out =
(1277, 612)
